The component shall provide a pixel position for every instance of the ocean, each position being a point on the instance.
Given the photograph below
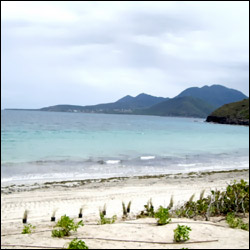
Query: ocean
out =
(39, 146)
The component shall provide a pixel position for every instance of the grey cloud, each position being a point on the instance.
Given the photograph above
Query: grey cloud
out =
(156, 48)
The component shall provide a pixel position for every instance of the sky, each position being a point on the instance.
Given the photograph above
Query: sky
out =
(85, 52)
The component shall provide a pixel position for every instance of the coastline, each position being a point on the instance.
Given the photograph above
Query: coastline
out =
(68, 197)
(7, 189)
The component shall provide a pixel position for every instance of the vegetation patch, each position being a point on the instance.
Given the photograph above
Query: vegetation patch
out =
(65, 225)
(77, 244)
(234, 199)
(181, 233)
(104, 220)
(148, 212)
(234, 222)
(163, 216)
(27, 229)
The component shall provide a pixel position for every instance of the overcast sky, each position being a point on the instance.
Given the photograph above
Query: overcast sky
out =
(95, 52)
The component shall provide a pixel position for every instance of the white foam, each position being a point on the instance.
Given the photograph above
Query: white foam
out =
(113, 161)
(186, 165)
(147, 157)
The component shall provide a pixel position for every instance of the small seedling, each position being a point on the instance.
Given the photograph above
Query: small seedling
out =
(171, 203)
(126, 210)
(27, 229)
(65, 225)
(80, 212)
(202, 194)
(128, 207)
(25, 216)
(149, 210)
(191, 198)
(181, 233)
(163, 216)
(104, 210)
(53, 216)
(77, 244)
(104, 220)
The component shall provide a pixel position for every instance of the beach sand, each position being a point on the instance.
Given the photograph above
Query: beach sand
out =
(67, 198)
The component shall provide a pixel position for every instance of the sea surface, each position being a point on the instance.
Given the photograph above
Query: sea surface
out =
(39, 146)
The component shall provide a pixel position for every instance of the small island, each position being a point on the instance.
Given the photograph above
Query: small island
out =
(233, 113)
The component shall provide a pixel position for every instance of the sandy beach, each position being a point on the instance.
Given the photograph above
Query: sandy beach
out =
(67, 198)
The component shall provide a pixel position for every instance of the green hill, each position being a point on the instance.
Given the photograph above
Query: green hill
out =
(232, 113)
(216, 95)
(186, 106)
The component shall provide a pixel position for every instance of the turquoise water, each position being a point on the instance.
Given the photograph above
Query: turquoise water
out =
(39, 146)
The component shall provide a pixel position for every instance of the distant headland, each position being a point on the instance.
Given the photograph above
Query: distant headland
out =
(192, 102)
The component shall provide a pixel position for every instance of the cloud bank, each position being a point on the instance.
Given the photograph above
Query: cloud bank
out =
(94, 52)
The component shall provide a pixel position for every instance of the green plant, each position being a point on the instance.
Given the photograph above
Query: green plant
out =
(27, 229)
(77, 244)
(181, 233)
(149, 210)
(104, 220)
(65, 225)
(163, 216)
(234, 199)
(236, 222)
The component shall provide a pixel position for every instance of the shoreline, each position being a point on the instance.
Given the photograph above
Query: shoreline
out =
(76, 183)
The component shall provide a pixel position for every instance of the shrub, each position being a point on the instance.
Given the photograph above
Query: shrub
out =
(27, 229)
(66, 225)
(163, 216)
(181, 233)
(77, 244)
(234, 199)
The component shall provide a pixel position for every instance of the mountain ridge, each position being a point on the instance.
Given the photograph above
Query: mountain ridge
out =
(216, 94)
(192, 102)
